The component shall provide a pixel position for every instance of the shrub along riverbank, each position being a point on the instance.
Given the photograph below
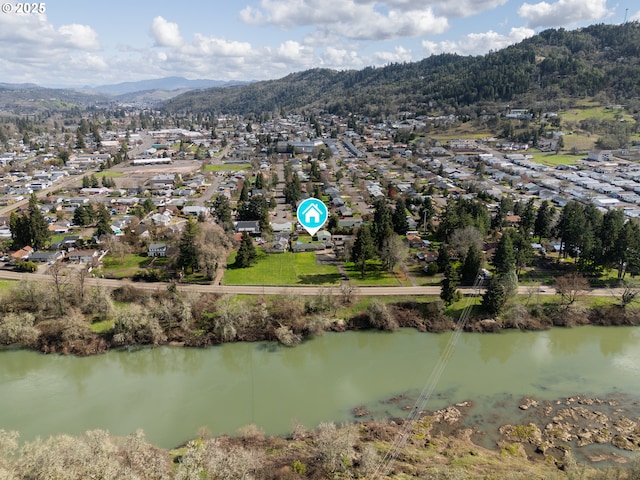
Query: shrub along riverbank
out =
(437, 446)
(79, 320)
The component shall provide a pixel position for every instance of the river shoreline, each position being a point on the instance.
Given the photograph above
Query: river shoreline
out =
(424, 317)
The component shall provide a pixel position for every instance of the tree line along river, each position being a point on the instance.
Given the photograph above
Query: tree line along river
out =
(172, 392)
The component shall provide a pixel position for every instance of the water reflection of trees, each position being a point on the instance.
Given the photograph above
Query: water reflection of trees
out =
(159, 360)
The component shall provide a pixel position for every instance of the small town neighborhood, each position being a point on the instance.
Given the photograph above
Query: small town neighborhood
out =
(153, 182)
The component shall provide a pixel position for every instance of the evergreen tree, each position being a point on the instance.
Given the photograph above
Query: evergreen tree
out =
(528, 218)
(544, 220)
(504, 259)
(38, 225)
(259, 181)
(247, 254)
(363, 248)
(427, 212)
(610, 231)
(495, 296)
(472, 264)
(382, 223)
(449, 285)
(399, 218)
(292, 190)
(80, 144)
(20, 231)
(571, 226)
(244, 193)
(257, 208)
(523, 251)
(83, 215)
(444, 258)
(222, 209)
(148, 205)
(103, 225)
(187, 256)
(314, 174)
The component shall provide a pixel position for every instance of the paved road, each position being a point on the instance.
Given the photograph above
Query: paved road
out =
(291, 290)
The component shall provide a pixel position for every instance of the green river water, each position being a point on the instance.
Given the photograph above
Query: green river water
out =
(171, 392)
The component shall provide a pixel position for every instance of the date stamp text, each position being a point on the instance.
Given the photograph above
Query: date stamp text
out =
(24, 8)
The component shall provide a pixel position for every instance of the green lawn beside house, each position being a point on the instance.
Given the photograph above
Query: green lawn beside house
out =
(282, 269)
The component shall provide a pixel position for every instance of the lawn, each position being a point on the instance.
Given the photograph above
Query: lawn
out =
(374, 275)
(551, 159)
(110, 174)
(422, 279)
(227, 168)
(123, 268)
(282, 269)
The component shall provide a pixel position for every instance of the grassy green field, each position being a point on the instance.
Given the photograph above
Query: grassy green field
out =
(551, 159)
(110, 174)
(599, 112)
(227, 168)
(375, 275)
(581, 142)
(282, 269)
(130, 264)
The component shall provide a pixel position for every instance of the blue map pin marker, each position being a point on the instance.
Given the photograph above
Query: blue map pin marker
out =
(312, 215)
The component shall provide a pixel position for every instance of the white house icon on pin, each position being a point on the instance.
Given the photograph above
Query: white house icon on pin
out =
(311, 215)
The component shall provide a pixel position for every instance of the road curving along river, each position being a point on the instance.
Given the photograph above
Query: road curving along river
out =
(171, 393)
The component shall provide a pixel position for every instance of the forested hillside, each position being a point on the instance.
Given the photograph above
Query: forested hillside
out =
(597, 60)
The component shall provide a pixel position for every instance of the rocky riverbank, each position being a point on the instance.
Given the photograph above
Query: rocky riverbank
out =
(594, 430)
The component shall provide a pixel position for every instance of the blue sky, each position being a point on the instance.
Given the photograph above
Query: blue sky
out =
(76, 42)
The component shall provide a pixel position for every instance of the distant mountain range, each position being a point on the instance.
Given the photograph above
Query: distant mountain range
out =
(31, 98)
(165, 84)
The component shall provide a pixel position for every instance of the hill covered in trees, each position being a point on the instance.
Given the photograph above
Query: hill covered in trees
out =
(597, 60)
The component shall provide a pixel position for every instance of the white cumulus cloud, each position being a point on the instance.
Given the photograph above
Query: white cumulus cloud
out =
(478, 43)
(166, 34)
(563, 12)
(354, 19)
(80, 36)
(635, 17)
(398, 55)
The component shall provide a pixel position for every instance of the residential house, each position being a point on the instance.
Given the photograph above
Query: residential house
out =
(252, 227)
(84, 256)
(284, 227)
(415, 241)
(47, 257)
(161, 219)
(195, 210)
(323, 236)
(279, 245)
(157, 250)
(23, 254)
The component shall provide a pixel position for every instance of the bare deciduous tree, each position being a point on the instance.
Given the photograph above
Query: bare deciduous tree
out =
(462, 238)
(349, 291)
(570, 287)
(60, 280)
(336, 446)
